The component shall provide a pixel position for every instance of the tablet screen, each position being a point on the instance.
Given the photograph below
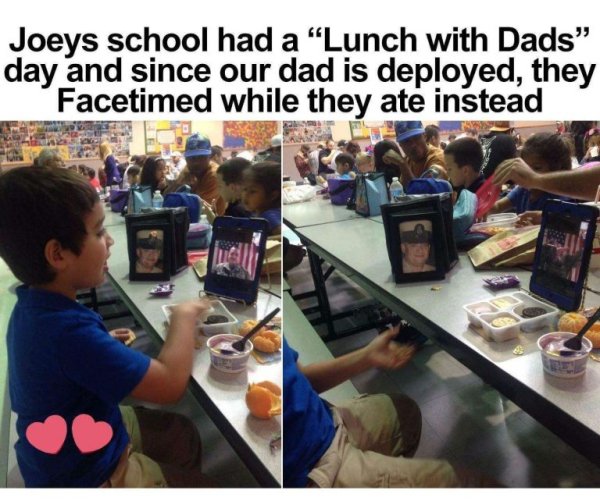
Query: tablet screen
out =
(235, 258)
(561, 255)
(236, 253)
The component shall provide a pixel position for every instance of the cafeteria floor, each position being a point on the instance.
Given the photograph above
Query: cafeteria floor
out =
(464, 419)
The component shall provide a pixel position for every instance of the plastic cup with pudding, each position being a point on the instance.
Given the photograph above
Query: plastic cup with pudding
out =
(228, 362)
(562, 362)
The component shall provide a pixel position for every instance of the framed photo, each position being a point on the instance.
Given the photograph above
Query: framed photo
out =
(150, 251)
(417, 246)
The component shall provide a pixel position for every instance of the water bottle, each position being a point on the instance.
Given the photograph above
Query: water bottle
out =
(157, 200)
(396, 190)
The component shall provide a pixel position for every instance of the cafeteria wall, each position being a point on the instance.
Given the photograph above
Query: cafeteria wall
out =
(212, 129)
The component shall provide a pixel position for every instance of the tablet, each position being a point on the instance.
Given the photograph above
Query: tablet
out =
(562, 253)
(235, 258)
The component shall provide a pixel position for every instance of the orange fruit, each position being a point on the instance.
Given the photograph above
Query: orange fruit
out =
(264, 399)
(573, 322)
(247, 326)
(267, 341)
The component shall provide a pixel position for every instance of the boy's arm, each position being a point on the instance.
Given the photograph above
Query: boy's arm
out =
(382, 352)
(168, 374)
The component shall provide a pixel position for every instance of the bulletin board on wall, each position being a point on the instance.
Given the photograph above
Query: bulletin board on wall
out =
(246, 135)
(23, 141)
(365, 130)
(163, 137)
(312, 131)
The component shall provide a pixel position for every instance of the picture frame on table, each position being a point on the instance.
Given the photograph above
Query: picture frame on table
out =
(149, 247)
(416, 245)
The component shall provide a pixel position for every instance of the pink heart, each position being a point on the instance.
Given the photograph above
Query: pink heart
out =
(48, 436)
(90, 435)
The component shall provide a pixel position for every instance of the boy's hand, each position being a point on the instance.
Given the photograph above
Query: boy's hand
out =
(385, 353)
(192, 309)
(210, 210)
(122, 335)
(529, 218)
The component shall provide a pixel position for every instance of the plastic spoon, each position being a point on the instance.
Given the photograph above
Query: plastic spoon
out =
(575, 342)
(238, 346)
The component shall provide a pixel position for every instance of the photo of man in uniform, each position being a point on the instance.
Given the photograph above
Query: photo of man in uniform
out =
(148, 250)
(415, 245)
(232, 268)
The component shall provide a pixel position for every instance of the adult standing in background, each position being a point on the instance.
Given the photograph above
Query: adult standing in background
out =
(325, 158)
(313, 158)
(301, 160)
(111, 166)
(178, 163)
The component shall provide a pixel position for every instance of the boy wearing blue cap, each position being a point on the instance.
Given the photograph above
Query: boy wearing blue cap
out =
(420, 156)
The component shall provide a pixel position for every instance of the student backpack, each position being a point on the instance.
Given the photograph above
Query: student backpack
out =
(183, 198)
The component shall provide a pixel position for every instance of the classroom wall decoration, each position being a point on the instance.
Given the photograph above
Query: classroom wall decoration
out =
(362, 130)
(255, 136)
(23, 141)
(165, 136)
(312, 131)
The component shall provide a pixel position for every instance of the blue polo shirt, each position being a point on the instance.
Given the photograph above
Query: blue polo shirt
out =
(273, 217)
(62, 361)
(307, 423)
(519, 197)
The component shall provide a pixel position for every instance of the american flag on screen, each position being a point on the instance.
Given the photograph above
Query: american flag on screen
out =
(568, 246)
(248, 254)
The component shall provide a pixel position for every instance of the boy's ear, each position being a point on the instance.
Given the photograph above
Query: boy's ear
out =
(56, 255)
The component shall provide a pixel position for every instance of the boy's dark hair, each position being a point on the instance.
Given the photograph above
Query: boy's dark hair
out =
(90, 172)
(134, 170)
(353, 148)
(390, 170)
(268, 175)
(551, 147)
(466, 151)
(431, 132)
(216, 150)
(232, 170)
(36, 206)
(344, 158)
(149, 172)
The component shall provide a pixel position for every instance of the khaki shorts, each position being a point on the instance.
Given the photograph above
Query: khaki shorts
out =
(164, 450)
(372, 437)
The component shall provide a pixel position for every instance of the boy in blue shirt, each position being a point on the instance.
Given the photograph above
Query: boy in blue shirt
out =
(62, 361)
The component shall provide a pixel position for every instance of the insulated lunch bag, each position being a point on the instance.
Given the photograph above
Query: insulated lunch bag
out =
(371, 193)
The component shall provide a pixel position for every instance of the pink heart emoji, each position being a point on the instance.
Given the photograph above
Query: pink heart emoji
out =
(48, 436)
(90, 435)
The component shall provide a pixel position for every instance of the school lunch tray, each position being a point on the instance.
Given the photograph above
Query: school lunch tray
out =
(218, 308)
(482, 314)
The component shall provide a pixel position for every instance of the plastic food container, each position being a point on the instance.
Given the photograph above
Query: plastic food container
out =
(564, 366)
(228, 363)
(529, 315)
(218, 308)
(496, 223)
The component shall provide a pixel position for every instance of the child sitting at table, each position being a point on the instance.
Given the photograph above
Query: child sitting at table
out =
(364, 163)
(64, 365)
(344, 163)
(230, 178)
(133, 175)
(262, 193)
(543, 152)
